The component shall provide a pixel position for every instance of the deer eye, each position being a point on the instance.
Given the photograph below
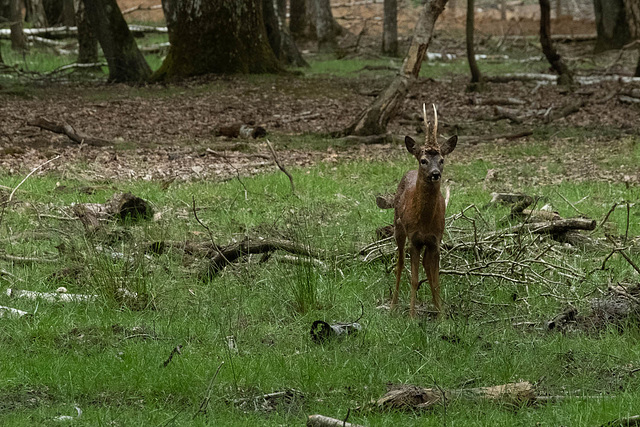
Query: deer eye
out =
(423, 161)
(441, 161)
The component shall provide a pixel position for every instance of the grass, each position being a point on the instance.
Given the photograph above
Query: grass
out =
(107, 357)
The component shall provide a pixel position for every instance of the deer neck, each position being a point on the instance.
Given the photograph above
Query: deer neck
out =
(427, 195)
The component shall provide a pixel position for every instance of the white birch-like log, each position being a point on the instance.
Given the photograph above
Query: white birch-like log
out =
(9, 312)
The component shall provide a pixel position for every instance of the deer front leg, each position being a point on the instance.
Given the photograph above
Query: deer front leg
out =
(401, 241)
(431, 264)
(415, 270)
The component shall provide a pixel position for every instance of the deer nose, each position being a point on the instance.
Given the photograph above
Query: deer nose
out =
(435, 176)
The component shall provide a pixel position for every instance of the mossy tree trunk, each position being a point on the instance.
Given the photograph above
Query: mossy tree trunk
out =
(327, 28)
(35, 13)
(611, 24)
(476, 77)
(126, 63)
(565, 76)
(390, 28)
(374, 119)
(298, 19)
(87, 43)
(220, 37)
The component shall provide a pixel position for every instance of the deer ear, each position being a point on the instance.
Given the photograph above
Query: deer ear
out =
(449, 145)
(411, 144)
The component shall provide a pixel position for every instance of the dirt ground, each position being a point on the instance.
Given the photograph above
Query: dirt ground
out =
(163, 132)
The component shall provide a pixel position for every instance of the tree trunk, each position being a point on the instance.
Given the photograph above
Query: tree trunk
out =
(87, 43)
(476, 77)
(36, 14)
(280, 39)
(126, 63)
(503, 10)
(390, 28)
(68, 13)
(558, 8)
(374, 119)
(18, 40)
(611, 25)
(298, 19)
(565, 76)
(632, 11)
(221, 37)
(325, 27)
(1, 61)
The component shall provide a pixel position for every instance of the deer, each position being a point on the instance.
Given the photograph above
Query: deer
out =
(419, 212)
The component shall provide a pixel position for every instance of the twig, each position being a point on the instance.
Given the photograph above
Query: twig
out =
(66, 129)
(205, 401)
(571, 204)
(626, 231)
(624, 255)
(176, 350)
(30, 173)
(606, 217)
(275, 158)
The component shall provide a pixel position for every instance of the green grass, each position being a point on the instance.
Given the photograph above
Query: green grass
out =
(106, 357)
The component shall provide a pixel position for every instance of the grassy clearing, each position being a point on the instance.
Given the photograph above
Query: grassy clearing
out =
(107, 357)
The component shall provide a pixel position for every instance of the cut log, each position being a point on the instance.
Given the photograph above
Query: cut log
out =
(72, 32)
(322, 421)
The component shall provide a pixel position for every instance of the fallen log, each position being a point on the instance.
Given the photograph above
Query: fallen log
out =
(49, 296)
(66, 129)
(71, 32)
(555, 227)
(410, 397)
(123, 206)
(322, 421)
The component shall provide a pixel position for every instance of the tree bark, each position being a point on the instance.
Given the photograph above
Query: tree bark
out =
(374, 119)
(68, 13)
(298, 20)
(476, 77)
(503, 10)
(35, 12)
(280, 39)
(565, 76)
(390, 28)
(87, 43)
(325, 27)
(221, 37)
(126, 63)
(18, 40)
(611, 24)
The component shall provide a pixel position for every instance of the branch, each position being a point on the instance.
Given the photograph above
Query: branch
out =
(66, 129)
(275, 158)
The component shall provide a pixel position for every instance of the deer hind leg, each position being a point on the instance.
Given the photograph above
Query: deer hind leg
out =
(415, 270)
(400, 240)
(431, 264)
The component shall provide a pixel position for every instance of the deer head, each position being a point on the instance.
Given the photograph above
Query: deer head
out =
(431, 155)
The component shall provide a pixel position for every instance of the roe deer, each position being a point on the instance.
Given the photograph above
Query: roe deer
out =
(419, 212)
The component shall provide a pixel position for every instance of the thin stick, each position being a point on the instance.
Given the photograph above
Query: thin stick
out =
(626, 232)
(606, 217)
(571, 204)
(275, 158)
(176, 350)
(625, 256)
(205, 402)
(30, 173)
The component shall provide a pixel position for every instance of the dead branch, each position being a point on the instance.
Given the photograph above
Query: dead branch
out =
(498, 101)
(565, 111)
(233, 252)
(66, 129)
(205, 402)
(368, 140)
(70, 32)
(624, 422)
(410, 397)
(176, 350)
(555, 227)
(141, 7)
(322, 421)
(27, 177)
(26, 259)
(275, 158)
(236, 155)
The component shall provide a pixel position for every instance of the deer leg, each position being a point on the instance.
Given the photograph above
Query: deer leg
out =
(415, 270)
(431, 264)
(400, 240)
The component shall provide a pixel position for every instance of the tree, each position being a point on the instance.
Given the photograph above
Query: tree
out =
(126, 63)
(565, 76)
(87, 43)
(35, 13)
(327, 29)
(611, 24)
(476, 77)
(390, 28)
(374, 119)
(632, 10)
(280, 39)
(298, 20)
(216, 37)
(18, 40)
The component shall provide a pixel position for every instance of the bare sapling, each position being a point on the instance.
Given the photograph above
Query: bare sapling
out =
(419, 212)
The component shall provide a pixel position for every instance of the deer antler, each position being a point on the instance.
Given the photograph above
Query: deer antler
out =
(435, 124)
